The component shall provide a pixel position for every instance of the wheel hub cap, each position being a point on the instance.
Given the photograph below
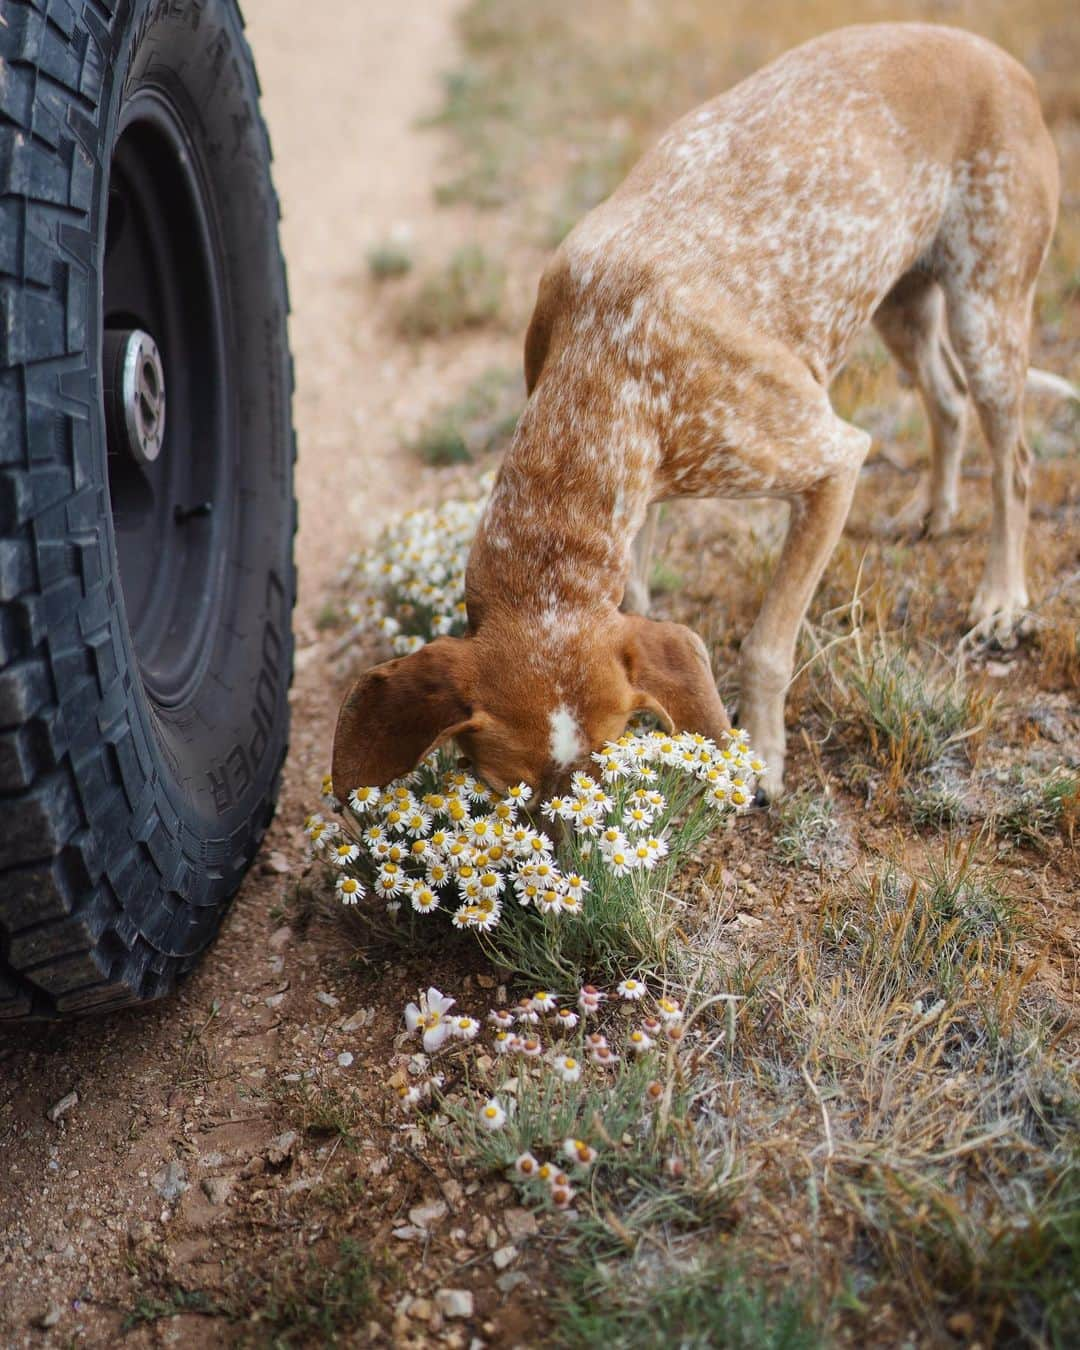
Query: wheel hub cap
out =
(138, 393)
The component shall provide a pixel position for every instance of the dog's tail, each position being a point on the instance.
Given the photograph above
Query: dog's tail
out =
(1043, 382)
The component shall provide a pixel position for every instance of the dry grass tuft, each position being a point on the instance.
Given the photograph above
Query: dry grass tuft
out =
(466, 293)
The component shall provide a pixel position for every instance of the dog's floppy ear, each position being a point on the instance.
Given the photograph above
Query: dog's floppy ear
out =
(395, 713)
(669, 673)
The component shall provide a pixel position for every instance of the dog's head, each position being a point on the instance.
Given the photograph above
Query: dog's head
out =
(521, 716)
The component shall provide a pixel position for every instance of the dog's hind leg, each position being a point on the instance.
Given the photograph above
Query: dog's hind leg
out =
(911, 321)
(992, 338)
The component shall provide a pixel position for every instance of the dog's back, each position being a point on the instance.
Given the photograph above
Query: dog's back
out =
(797, 199)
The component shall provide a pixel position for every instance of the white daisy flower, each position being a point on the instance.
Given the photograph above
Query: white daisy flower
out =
(423, 899)
(429, 1018)
(526, 1166)
(630, 989)
(364, 799)
(543, 1002)
(567, 1067)
(590, 998)
(579, 1152)
(639, 1042)
(492, 1115)
(575, 885)
(669, 1009)
(389, 881)
(464, 1028)
(566, 1018)
(349, 890)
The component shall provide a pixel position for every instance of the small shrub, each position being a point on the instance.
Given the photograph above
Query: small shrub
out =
(389, 259)
(1041, 809)
(479, 422)
(467, 293)
(807, 833)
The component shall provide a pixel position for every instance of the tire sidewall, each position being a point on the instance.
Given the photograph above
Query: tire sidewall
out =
(210, 765)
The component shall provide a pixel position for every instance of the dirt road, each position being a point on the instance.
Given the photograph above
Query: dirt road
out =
(175, 1108)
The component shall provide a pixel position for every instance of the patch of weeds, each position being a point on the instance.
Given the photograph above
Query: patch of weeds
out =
(329, 616)
(664, 579)
(466, 293)
(340, 1196)
(173, 1301)
(317, 1109)
(933, 803)
(703, 1302)
(907, 715)
(924, 934)
(943, 796)
(1037, 810)
(480, 422)
(389, 259)
(315, 1297)
(808, 832)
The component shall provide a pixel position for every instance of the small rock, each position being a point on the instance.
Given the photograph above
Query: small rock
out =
(327, 1000)
(425, 1215)
(276, 863)
(421, 1309)
(362, 1018)
(454, 1302)
(748, 921)
(506, 1284)
(170, 1181)
(280, 938)
(217, 1189)
(409, 1232)
(452, 1192)
(520, 1223)
(503, 1257)
(66, 1102)
(50, 1317)
(961, 1324)
(345, 1059)
(274, 1000)
(281, 1148)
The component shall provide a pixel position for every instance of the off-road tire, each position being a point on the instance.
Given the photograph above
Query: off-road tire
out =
(127, 822)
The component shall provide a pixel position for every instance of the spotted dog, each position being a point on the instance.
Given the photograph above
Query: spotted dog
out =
(682, 344)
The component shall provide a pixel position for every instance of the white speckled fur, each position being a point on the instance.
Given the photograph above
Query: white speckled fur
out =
(686, 332)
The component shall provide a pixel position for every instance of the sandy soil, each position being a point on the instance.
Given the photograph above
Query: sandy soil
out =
(175, 1103)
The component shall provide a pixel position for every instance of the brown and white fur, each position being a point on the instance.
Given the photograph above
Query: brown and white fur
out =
(683, 342)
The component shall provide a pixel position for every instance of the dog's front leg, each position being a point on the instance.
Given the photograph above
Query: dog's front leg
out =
(768, 652)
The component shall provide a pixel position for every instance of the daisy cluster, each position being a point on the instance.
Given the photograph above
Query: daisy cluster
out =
(440, 840)
(412, 586)
(543, 1034)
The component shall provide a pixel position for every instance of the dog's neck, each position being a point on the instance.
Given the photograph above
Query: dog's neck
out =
(554, 546)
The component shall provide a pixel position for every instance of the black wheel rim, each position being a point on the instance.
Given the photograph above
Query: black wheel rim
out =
(172, 516)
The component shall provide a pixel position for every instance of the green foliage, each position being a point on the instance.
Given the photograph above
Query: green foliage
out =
(466, 293)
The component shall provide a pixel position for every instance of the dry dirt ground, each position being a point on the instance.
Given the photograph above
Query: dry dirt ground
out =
(163, 1173)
